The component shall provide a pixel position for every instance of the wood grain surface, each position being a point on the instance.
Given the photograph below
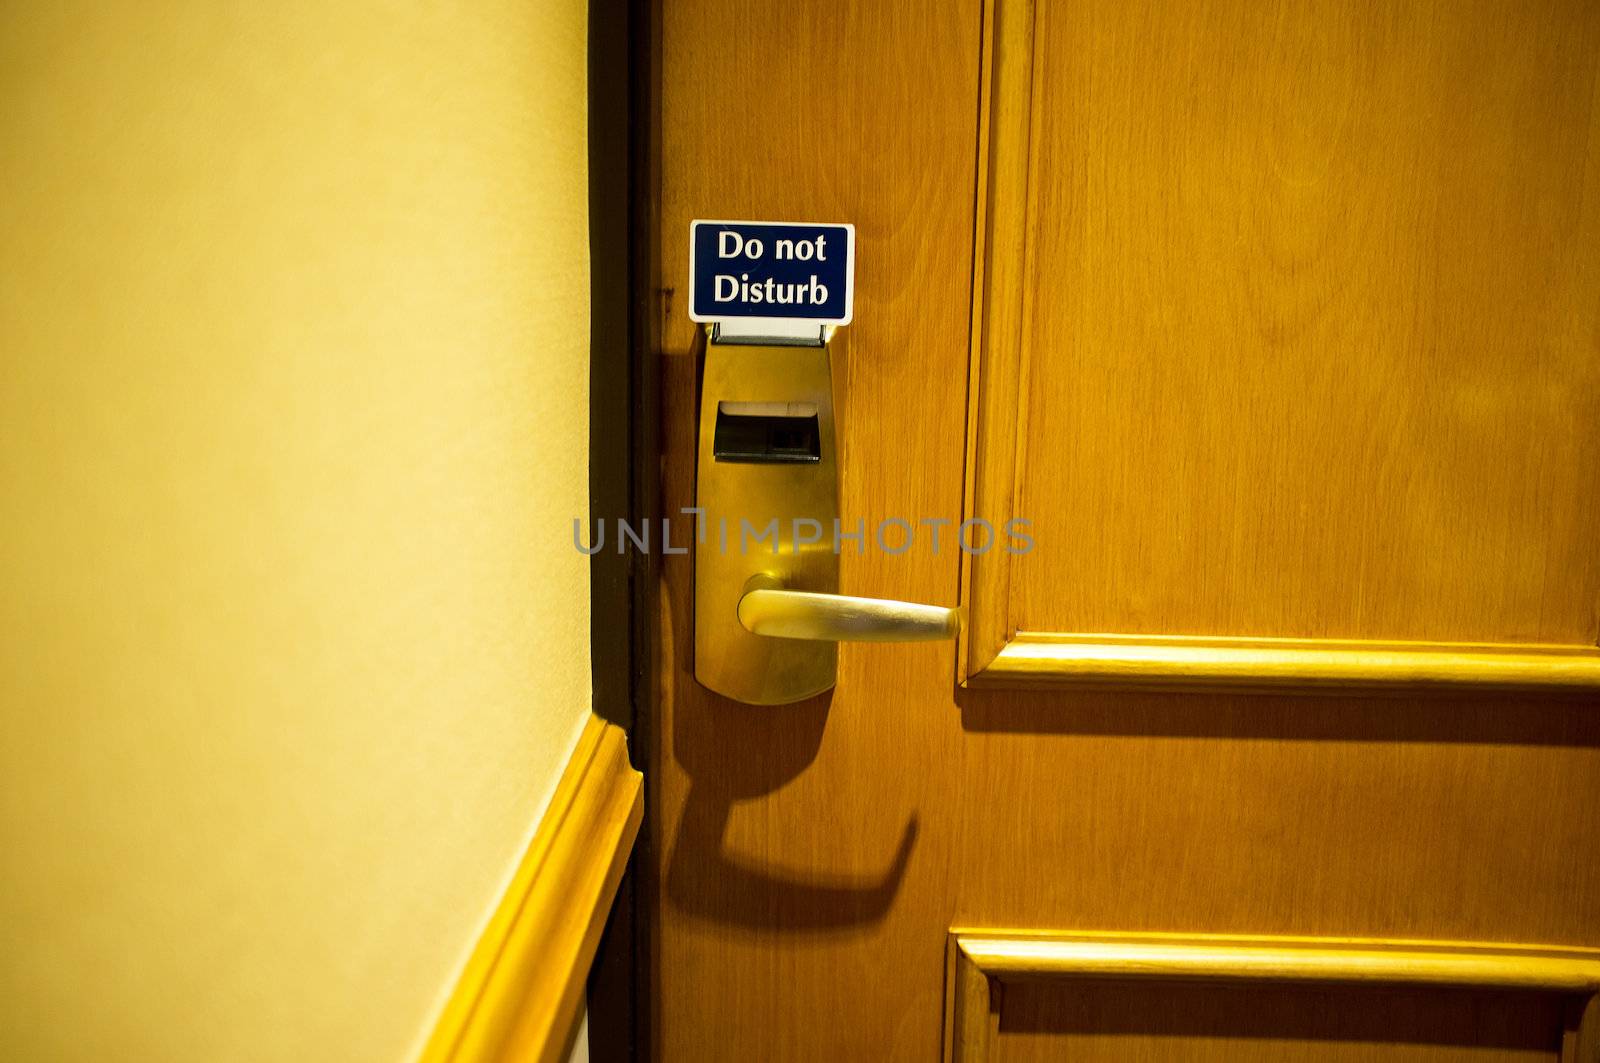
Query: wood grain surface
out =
(809, 860)
(1100, 1023)
(1311, 321)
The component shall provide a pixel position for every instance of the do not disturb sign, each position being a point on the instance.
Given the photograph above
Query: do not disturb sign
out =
(782, 270)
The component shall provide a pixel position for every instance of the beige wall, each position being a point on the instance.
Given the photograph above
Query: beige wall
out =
(293, 362)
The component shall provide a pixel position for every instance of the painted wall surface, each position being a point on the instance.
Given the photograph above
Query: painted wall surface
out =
(293, 427)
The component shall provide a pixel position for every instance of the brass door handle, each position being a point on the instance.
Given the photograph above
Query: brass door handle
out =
(767, 608)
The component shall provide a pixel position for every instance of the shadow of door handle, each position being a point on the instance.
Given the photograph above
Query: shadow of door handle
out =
(767, 608)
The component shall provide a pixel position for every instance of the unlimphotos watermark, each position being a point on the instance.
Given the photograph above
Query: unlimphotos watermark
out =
(893, 535)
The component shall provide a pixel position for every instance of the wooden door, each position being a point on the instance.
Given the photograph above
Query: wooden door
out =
(1281, 324)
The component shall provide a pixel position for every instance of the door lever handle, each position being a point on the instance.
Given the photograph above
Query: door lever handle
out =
(768, 608)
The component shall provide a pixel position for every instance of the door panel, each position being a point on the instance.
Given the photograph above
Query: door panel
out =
(1289, 332)
(1164, 996)
(1315, 354)
(1120, 1023)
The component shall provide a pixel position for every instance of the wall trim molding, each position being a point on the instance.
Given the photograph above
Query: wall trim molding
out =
(520, 993)
(980, 962)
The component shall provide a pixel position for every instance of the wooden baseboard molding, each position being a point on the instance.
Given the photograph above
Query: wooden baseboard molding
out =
(520, 994)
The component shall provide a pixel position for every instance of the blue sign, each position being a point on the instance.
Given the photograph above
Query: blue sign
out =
(758, 269)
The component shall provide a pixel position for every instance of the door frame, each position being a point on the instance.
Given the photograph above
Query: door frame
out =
(624, 459)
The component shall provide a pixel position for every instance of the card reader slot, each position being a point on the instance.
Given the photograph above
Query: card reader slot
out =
(767, 433)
